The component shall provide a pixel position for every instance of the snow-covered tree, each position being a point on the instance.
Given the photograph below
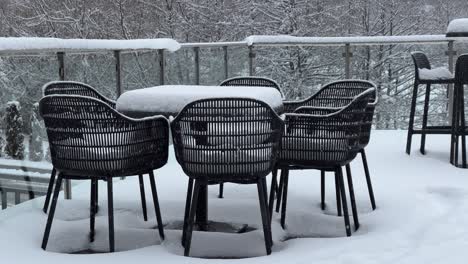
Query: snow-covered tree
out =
(14, 126)
(36, 151)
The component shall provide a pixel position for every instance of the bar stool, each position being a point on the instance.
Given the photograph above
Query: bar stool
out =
(458, 123)
(425, 75)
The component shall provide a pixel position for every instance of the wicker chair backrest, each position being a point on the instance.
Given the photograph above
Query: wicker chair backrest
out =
(227, 139)
(319, 138)
(88, 137)
(74, 88)
(420, 61)
(339, 94)
(251, 81)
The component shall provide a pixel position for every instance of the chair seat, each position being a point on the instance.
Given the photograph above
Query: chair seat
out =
(314, 151)
(234, 161)
(436, 75)
(110, 158)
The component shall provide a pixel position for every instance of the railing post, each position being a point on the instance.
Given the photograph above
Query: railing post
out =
(226, 69)
(347, 55)
(118, 73)
(61, 59)
(197, 65)
(4, 199)
(451, 58)
(161, 66)
(251, 61)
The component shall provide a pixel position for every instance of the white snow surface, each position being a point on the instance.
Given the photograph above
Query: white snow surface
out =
(439, 73)
(56, 44)
(422, 217)
(458, 25)
(292, 40)
(172, 98)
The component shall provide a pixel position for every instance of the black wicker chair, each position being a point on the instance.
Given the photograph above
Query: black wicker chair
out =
(326, 139)
(420, 63)
(331, 98)
(77, 88)
(89, 140)
(226, 140)
(459, 125)
(248, 81)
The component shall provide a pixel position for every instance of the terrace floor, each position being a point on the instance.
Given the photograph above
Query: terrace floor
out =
(422, 217)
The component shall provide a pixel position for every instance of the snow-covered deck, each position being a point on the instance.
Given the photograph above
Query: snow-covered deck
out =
(422, 217)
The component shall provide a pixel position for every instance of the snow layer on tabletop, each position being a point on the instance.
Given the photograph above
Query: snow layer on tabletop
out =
(172, 98)
(439, 73)
(421, 216)
(458, 26)
(53, 44)
(286, 39)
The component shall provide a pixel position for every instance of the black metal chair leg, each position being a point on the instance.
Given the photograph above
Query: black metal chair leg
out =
(264, 213)
(273, 190)
(338, 195)
(457, 134)
(351, 196)
(187, 210)
(143, 197)
(280, 191)
(265, 194)
(284, 198)
(265, 190)
(92, 210)
(463, 126)
(344, 202)
(156, 205)
(50, 218)
(322, 189)
(221, 191)
(96, 197)
(191, 220)
(368, 179)
(422, 148)
(454, 125)
(411, 118)
(49, 190)
(110, 208)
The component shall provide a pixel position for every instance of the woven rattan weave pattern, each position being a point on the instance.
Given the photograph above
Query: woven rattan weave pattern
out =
(227, 139)
(74, 88)
(87, 135)
(251, 81)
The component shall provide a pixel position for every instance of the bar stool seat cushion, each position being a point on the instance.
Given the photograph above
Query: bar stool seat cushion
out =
(435, 74)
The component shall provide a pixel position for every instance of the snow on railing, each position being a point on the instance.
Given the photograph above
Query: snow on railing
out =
(286, 40)
(34, 45)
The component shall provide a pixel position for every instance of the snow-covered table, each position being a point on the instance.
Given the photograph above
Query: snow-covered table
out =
(168, 100)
